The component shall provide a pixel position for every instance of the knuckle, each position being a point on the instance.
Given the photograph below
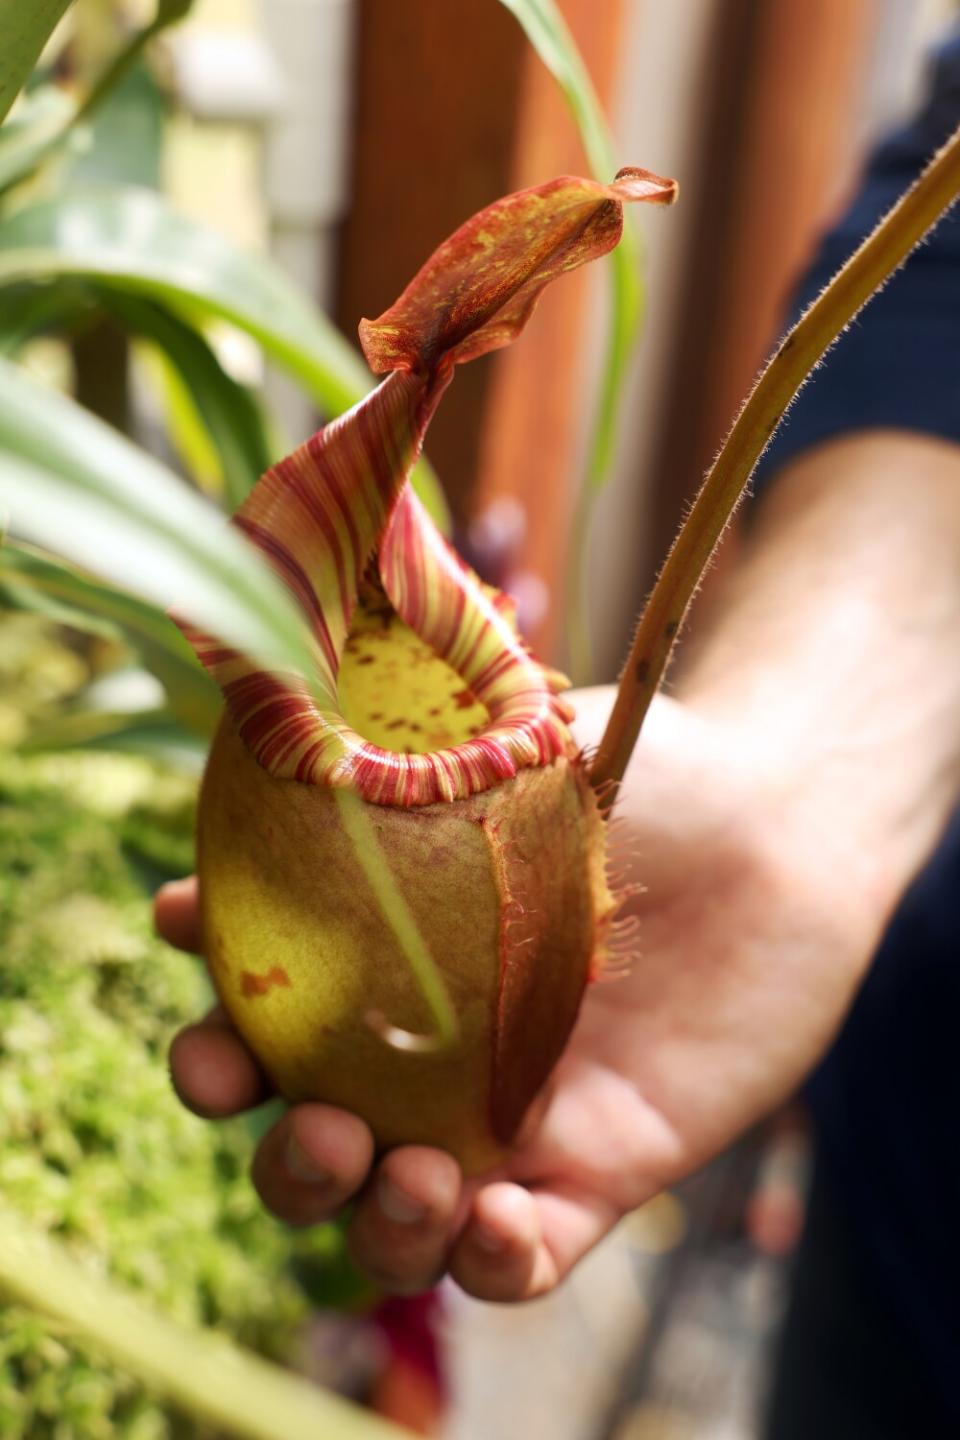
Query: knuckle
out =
(399, 1270)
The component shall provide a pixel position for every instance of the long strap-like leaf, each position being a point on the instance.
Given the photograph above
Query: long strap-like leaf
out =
(201, 1372)
(132, 241)
(34, 581)
(74, 485)
(549, 34)
(25, 27)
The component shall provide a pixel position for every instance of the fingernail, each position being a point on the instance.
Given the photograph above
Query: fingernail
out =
(302, 1168)
(488, 1240)
(397, 1205)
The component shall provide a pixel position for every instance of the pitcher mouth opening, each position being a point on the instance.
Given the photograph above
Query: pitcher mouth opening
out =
(438, 730)
(395, 691)
(410, 729)
(394, 610)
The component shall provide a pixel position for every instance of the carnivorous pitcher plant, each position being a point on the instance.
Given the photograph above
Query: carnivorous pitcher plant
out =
(409, 834)
(413, 821)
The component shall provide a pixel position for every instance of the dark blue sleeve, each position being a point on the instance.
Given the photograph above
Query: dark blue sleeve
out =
(885, 1099)
(899, 363)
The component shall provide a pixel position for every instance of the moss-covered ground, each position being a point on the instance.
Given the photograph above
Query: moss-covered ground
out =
(94, 1147)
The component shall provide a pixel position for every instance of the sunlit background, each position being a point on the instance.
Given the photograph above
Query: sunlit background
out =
(345, 138)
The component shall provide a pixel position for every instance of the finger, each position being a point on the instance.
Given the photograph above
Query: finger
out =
(176, 914)
(500, 1255)
(212, 1070)
(404, 1224)
(520, 1243)
(311, 1163)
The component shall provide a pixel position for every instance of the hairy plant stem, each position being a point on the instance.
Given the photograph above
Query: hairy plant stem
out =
(200, 1372)
(884, 250)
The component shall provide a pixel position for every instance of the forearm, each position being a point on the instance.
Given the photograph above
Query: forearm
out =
(833, 663)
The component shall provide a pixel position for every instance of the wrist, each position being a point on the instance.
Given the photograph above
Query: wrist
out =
(729, 846)
(824, 802)
(830, 665)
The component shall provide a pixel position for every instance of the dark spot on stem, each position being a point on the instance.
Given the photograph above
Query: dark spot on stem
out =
(671, 628)
(642, 672)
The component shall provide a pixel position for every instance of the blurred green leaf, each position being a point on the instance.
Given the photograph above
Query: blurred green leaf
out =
(550, 36)
(171, 11)
(123, 136)
(183, 423)
(22, 594)
(210, 411)
(168, 12)
(25, 27)
(31, 580)
(30, 310)
(76, 486)
(132, 241)
(227, 410)
(40, 125)
(156, 733)
(548, 33)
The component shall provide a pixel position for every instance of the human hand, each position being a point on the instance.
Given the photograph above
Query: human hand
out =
(751, 943)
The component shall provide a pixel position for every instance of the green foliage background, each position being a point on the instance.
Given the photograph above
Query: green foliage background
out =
(94, 1146)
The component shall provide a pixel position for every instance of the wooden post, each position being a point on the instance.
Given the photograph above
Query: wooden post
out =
(783, 155)
(454, 110)
(437, 94)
